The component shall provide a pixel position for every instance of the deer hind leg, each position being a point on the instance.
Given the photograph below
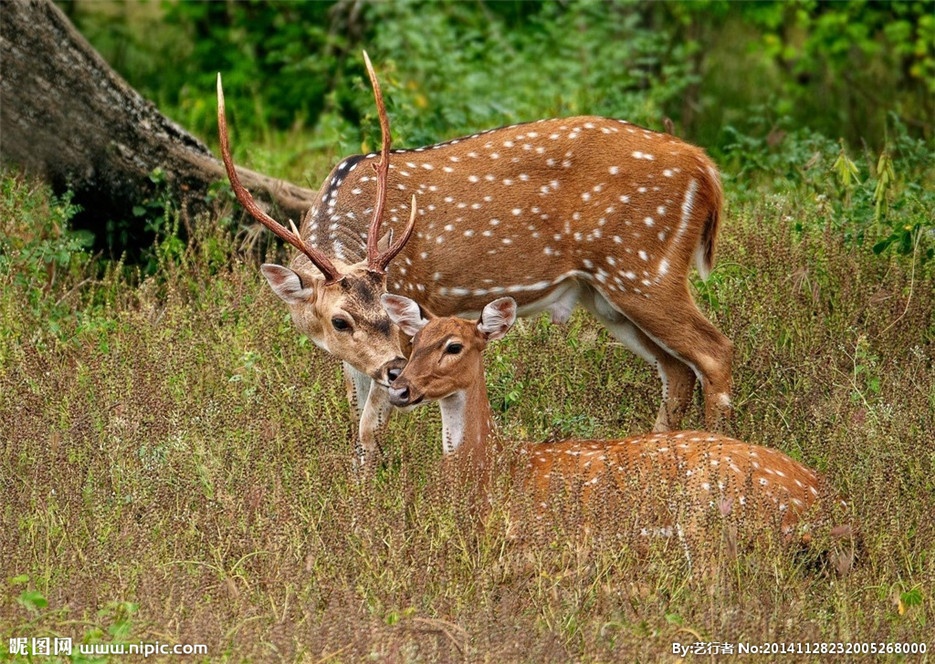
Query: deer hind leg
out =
(678, 379)
(674, 323)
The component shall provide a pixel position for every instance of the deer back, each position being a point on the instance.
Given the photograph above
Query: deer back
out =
(516, 210)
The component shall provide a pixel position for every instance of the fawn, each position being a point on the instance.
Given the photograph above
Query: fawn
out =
(700, 473)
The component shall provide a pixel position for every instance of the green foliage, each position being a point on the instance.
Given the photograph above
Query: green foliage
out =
(882, 201)
(834, 68)
(40, 255)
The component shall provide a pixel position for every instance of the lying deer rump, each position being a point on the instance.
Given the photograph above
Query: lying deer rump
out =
(679, 480)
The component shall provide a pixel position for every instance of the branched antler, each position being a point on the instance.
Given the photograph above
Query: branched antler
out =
(290, 235)
(376, 260)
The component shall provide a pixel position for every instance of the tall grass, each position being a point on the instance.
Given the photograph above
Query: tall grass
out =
(176, 463)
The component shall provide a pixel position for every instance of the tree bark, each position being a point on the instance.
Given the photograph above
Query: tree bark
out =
(68, 117)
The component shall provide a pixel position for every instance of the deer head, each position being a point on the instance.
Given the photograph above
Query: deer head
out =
(334, 303)
(449, 352)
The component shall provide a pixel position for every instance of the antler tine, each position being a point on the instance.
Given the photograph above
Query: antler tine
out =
(375, 260)
(397, 246)
(292, 237)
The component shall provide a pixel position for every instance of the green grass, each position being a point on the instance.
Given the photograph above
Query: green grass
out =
(176, 463)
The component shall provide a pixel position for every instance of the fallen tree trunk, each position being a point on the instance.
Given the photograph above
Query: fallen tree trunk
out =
(68, 117)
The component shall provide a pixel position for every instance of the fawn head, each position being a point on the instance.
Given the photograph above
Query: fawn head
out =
(446, 352)
(335, 304)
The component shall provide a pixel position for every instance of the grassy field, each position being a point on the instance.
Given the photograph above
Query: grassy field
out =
(176, 463)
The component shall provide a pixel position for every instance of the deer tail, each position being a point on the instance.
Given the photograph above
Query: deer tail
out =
(704, 253)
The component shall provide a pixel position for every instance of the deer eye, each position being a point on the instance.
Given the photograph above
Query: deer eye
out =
(453, 348)
(340, 324)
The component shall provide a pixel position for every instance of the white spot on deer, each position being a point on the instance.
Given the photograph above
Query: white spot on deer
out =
(454, 158)
(618, 239)
(663, 267)
(641, 190)
(506, 240)
(487, 233)
(469, 233)
(517, 212)
(624, 199)
(448, 169)
(648, 221)
(586, 196)
(668, 172)
(642, 255)
(507, 182)
(548, 251)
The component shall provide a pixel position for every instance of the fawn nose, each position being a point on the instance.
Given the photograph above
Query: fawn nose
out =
(399, 396)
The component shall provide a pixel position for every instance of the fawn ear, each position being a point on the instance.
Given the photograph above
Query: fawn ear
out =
(497, 318)
(287, 284)
(404, 312)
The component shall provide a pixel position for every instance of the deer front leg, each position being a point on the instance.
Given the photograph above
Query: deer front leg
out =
(358, 386)
(373, 420)
(371, 406)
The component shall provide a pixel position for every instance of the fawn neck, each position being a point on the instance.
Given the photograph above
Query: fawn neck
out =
(467, 422)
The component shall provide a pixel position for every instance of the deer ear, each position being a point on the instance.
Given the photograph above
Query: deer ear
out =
(497, 318)
(286, 284)
(404, 312)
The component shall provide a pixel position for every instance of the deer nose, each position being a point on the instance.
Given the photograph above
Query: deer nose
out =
(391, 370)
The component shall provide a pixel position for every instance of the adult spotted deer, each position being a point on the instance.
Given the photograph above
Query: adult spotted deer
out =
(553, 213)
(699, 472)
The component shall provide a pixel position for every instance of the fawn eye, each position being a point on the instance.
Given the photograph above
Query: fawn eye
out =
(453, 349)
(340, 324)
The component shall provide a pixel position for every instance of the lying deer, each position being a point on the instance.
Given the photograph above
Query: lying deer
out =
(700, 470)
(556, 212)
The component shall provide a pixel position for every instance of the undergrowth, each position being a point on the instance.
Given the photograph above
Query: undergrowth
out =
(176, 463)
